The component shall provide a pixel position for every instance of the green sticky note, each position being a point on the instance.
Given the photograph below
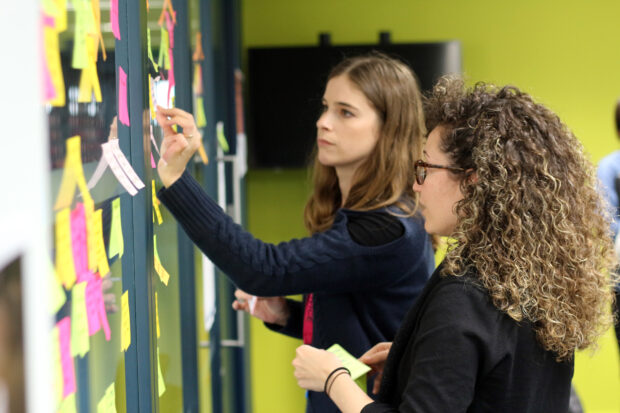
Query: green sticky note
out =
(68, 404)
(116, 231)
(82, 23)
(160, 383)
(58, 297)
(357, 368)
(149, 50)
(221, 139)
(164, 58)
(199, 112)
(80, 344)
(107, 404)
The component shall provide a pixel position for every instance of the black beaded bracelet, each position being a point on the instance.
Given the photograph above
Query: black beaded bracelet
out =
(331, 374)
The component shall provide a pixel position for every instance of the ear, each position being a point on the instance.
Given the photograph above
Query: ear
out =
(472, 176)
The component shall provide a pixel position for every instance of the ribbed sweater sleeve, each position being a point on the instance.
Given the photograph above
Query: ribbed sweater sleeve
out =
(294, 325)
(327, 261)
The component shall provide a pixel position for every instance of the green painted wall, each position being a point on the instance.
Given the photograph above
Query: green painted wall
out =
(565, 53)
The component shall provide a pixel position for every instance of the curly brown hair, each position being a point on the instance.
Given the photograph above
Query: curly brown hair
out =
(385, 178)
(532, 225)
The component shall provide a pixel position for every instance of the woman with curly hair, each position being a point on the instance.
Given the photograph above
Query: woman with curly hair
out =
(525, 281)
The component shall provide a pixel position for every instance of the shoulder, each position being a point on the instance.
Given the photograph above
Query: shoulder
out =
(373, 228)
(610, 162)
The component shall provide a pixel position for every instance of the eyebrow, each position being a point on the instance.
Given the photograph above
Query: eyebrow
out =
(345, 104)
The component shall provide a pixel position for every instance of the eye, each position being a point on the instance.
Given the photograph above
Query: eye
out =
(346, 113)
(323, 108)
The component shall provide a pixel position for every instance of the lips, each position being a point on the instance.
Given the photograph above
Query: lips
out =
(323, 142)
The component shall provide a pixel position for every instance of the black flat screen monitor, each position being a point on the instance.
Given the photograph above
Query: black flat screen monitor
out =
(285, 86)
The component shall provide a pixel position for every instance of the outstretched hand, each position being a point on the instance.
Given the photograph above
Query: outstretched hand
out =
(375, 358)
(272, 310)
(176, 148)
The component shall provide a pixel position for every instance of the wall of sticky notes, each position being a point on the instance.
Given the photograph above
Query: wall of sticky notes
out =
(128, 287)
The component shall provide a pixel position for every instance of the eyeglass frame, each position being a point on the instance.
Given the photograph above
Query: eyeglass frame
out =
(420, 163)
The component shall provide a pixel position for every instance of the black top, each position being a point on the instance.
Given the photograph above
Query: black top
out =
(375, 228)
(456, 352)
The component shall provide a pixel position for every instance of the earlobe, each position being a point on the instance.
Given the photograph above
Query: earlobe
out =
(472, 176)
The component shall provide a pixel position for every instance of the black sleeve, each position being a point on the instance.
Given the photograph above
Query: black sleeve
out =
(374, 228)
(294, 326)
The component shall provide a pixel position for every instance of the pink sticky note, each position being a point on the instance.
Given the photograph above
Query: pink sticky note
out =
(123, 114)
(66, 361)
(93, 296)
(153, 165)
(78, 241)
(114, 19)
(50, 91)
(171, 82)
(170, 28)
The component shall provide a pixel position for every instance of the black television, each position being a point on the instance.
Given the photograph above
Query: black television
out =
(285, 86)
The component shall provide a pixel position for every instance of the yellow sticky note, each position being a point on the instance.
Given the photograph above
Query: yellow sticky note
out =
(107, 404)
(161, 384)
(151, 105)
(56, 366)
(65, 267)
(57, 293)
(199, 111)
(156, 203)
(159, 269)
(101, 257)
(89, 80)
(164, 58)
(73, 174)
(68, 405)
(150, 50)
(117, 245)
(61, 15)
(125, 322)
(157, 315)
(52, 59)
(80, 344)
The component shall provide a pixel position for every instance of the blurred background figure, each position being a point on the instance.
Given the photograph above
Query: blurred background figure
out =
(609, 175)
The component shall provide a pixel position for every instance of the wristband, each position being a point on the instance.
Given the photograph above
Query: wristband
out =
(331, 384)
(331, 374)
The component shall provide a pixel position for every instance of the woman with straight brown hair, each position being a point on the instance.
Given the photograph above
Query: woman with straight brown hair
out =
(368, 256)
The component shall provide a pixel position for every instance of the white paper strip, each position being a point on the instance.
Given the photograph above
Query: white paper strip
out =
(117, 170)
(124, 164)
(208, 292)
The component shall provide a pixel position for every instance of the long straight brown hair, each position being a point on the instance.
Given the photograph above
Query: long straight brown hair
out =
(386, 177)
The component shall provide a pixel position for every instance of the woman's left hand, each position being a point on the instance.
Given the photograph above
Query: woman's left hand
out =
(177, 148)
(312, 366)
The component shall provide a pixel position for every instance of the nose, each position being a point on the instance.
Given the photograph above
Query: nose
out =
(323, 121)
(416, 186)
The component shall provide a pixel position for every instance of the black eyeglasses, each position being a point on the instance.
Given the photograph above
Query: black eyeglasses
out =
(421, 166)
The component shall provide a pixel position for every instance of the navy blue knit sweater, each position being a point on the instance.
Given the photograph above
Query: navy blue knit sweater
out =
(361, 293)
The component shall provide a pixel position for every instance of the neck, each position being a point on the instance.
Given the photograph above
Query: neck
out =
(345, 180)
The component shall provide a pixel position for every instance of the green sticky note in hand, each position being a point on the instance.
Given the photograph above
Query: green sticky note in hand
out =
(357, 368)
